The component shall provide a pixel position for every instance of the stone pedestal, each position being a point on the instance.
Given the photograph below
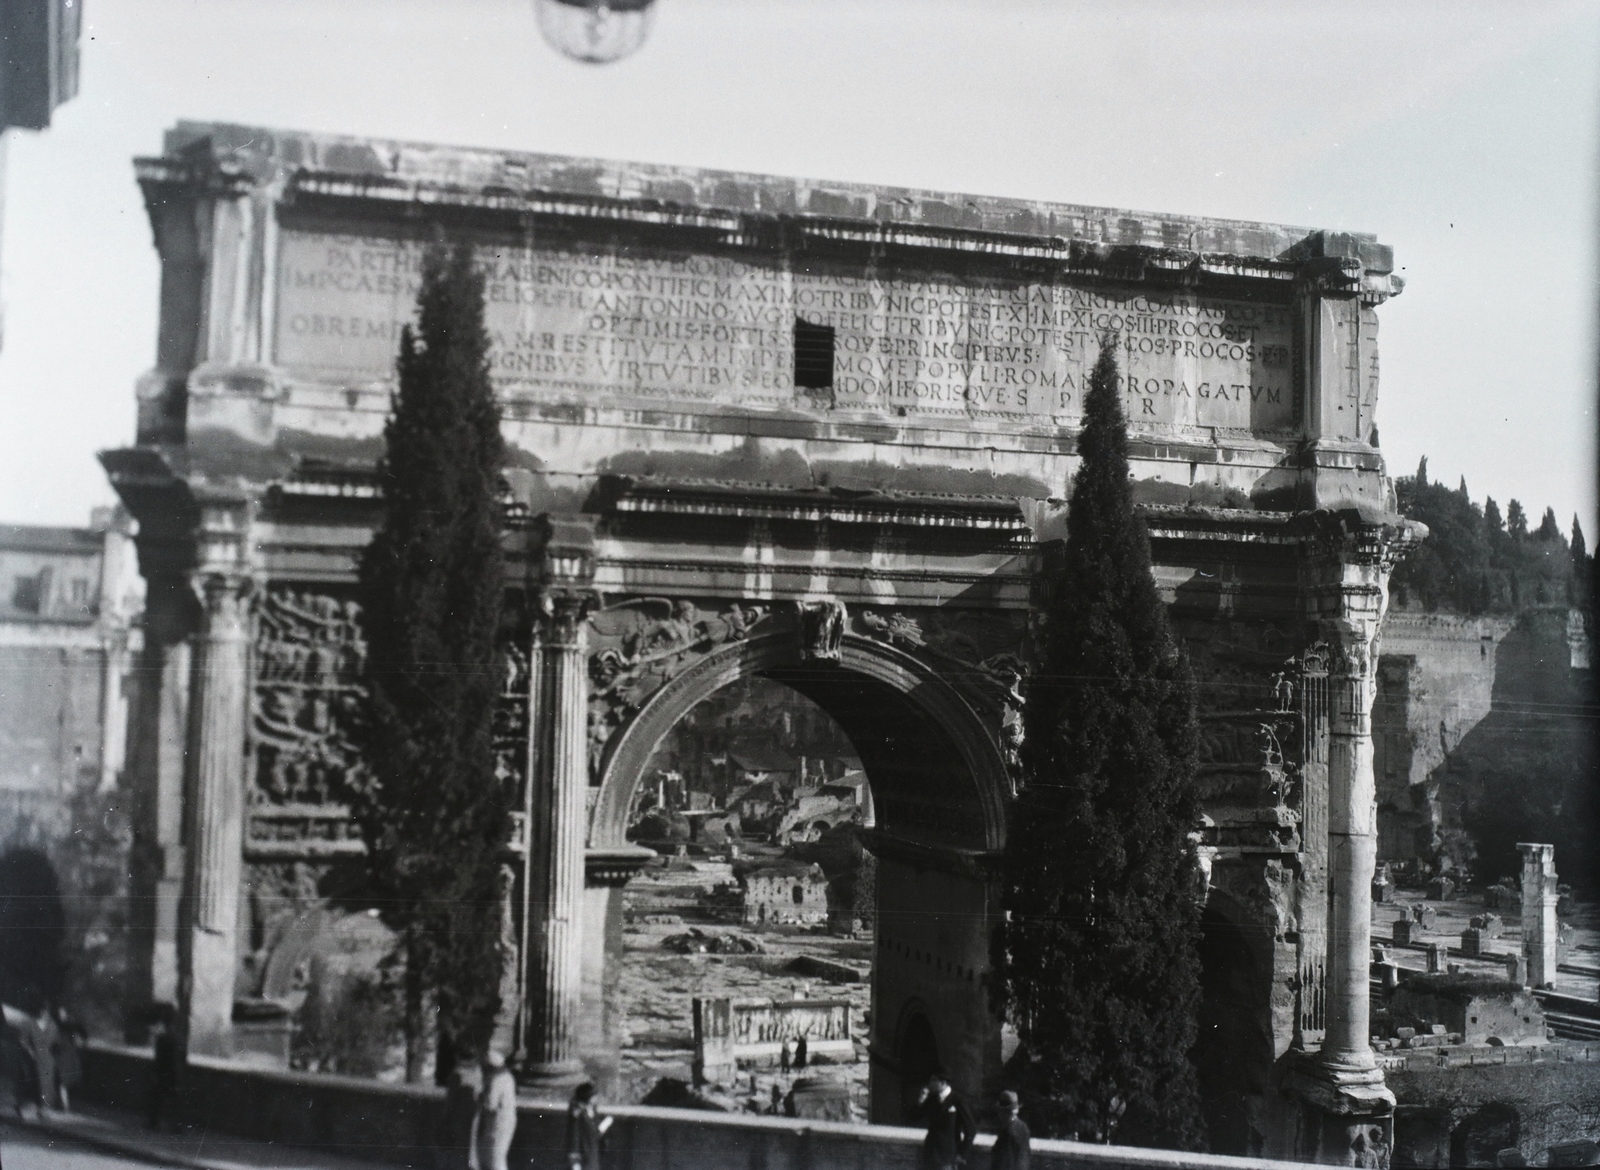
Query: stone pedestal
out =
(1346, 1119)
(215, 815)
(559, 775)
(1539, 897)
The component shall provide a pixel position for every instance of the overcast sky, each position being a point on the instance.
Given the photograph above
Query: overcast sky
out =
(1465, 135)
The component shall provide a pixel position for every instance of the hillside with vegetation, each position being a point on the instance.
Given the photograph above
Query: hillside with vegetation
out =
(1476, 561)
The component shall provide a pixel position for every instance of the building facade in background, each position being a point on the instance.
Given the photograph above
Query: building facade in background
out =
(70, 606)
(70, 600)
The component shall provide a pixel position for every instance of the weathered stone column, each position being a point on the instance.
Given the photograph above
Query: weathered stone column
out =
(1540, 895)
(215, 815)
(556, 858)
(1350, 553)
(1352, 843)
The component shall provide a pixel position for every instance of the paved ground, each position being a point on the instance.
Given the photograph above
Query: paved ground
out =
(105, 1140)
(27, 1149)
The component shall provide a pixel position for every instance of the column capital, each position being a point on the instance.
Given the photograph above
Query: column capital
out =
(1359, 536)
(563, 613)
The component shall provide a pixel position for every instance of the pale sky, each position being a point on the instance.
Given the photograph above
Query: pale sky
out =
(1465, 135)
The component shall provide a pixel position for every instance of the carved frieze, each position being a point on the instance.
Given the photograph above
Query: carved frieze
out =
(307, 699)
(305, 709)
(636, 647)
(979, 652)
(821, 630)
(510, 727)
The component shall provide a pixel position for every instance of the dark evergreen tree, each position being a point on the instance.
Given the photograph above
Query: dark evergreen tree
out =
(1492, 521)
(1096, 963)
(434, 816)
(1549, 526)
(1516, 521)
(1473, 562)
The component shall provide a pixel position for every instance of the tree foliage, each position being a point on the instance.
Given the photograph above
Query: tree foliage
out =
(1473, 563)
(1097, 958)
(435, 817)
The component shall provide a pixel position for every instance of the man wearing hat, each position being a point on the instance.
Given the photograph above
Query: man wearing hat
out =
(950, 1125)
(1011, 1142)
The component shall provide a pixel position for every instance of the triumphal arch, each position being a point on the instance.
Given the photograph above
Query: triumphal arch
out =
(815, 432)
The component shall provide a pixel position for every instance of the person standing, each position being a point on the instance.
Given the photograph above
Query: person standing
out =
(460, 1111)
(800, 1053)
(585, 1129)
(495, 1123)
(15, 1091)
(1011, 1143)
(165, 1069)
(951, 1129)
(68, 1047)
(42, 1035)
(783, 1057)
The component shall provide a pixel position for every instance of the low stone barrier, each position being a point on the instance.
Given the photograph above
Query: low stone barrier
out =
(400, 1125)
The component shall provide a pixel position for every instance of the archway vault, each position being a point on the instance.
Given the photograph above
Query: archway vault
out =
(938, 776)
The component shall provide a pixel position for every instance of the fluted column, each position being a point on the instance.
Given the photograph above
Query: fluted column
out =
(1349, 554)
(561, 778)
(215, 820)
(1352, 844)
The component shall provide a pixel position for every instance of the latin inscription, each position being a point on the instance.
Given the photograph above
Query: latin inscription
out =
(717, 331)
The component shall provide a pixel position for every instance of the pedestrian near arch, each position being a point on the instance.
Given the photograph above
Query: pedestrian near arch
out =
(586, 1129)
(495, 1123)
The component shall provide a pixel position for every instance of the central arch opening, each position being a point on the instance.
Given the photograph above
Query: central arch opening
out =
(756, 803)
(822, 831)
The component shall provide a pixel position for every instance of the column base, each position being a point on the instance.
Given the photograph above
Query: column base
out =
(1346, 1114)
(552, 1081)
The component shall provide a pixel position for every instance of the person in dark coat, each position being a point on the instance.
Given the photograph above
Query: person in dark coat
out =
(460, 1111)
(16, 1070)
(1011, 1143)
(951, 1129)
(165, 1069)
(586, 1129)
(800, 1053)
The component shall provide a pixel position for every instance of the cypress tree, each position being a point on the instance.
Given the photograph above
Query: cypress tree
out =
(1097, 958)
(1516, 521)
(434, 817)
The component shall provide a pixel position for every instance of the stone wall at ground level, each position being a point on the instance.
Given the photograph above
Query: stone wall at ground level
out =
(394, 1124)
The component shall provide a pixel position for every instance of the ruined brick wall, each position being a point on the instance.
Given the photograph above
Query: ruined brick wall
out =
(1483, 730)
(1460, 1116)
(1435, 678)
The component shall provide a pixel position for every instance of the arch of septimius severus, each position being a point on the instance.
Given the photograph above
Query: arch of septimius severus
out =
(814, 432)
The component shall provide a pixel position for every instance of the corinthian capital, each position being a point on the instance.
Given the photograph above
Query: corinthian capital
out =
(224, 599)
(564, 612)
